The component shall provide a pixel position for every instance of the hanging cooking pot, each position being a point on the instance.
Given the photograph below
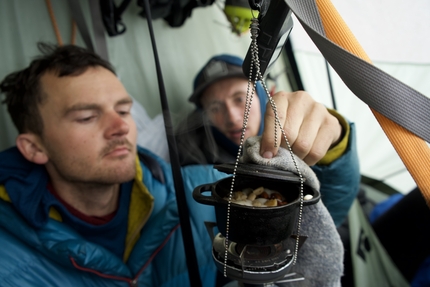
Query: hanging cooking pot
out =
(256, 225)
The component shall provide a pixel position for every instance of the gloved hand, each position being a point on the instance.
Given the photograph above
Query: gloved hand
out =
(320, 259)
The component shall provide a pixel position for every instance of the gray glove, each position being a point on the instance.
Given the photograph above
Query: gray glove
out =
(320, 259)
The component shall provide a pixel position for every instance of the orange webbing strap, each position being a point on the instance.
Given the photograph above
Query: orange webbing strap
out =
(413, 151)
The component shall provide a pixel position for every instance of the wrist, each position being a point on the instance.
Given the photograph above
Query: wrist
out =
(341, 135)
(338, 148)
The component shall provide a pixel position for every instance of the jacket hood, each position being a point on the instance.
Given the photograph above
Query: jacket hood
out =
(28, 181)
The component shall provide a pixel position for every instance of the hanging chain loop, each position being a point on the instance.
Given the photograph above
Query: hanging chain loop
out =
(255, 65)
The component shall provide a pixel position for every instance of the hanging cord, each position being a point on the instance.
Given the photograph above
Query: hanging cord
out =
(55, 25)
(330, 84)
(73, 35)
(190, 252)
(296, 81)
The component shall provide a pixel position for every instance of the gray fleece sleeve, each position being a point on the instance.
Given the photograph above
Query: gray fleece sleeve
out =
(320, 259)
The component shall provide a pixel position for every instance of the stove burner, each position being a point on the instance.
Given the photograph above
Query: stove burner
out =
(254, 264)
(253, 252)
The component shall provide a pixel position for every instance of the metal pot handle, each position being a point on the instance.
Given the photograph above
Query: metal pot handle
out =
(314, 200)
(197, 195)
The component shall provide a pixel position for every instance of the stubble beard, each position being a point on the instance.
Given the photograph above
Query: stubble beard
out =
(77, 171)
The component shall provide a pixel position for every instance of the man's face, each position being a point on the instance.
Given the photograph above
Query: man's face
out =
(224, 103)
(89, 135)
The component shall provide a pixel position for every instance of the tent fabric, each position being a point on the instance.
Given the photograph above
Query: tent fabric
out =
(371, 263)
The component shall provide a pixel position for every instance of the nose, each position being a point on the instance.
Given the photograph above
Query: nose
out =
(116, 126)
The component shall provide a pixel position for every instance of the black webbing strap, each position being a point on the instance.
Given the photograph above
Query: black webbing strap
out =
(98, 29)
(187, 237)
(80, 22)
(100, 46)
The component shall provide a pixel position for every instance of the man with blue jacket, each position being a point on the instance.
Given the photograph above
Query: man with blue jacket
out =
(211, 134)
(79, 204)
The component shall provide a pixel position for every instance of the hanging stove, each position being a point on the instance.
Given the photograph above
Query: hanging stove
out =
(261, 243)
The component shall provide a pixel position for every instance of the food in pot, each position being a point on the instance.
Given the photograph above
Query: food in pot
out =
(259, 197)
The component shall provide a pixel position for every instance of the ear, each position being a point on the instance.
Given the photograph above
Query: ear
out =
(30, 147)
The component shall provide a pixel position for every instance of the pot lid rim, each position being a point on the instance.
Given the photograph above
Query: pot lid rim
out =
(258, 170)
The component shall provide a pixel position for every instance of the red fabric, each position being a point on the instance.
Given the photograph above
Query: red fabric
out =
(94, 220)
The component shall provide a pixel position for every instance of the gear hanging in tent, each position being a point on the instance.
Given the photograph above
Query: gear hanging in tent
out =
(239, 14)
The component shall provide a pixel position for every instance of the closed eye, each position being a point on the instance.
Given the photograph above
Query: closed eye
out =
(86, 119)
(124, 108)
(124, 113)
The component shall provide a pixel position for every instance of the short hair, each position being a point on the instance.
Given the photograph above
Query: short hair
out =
(23, 88)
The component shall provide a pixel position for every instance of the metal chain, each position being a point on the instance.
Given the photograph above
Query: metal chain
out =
(248, 102)
(255, 58)
(249, 96)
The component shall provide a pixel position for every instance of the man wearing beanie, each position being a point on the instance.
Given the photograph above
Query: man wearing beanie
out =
(321, 137)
